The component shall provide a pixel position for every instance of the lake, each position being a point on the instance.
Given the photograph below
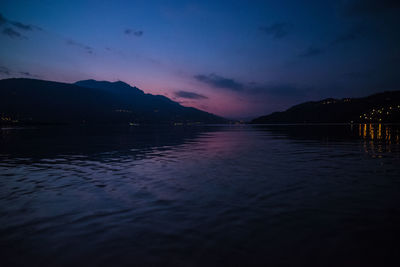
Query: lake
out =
(278, 195)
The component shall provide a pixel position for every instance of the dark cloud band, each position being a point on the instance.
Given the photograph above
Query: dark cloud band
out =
(133, 32)
(277, 30)
(311, 52)
(10, 32)
(220, 82)
(87, 48)
(189, 95)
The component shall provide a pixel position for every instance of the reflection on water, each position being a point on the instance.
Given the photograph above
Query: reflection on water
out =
(294, 195)
(378, 138)
(390, 133)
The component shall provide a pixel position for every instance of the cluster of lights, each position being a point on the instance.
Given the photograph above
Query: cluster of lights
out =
(378, 114)
(5, 118)
(333, 101)
(123, 111)
(329, 102)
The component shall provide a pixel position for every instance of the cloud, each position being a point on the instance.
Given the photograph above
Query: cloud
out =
(4, 70)
(10, 32)
(22, 26)
(277, 30)
(255, 90)
(368, 7)
(189, 95)
(133, 32)
(217, 81)
(28, 74)
(86, 48)
(3, 20)
(17, 24)
(311, 52)
(349, 36)
(8, 72)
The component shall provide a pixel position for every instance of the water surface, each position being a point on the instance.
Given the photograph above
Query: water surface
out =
(294, 195)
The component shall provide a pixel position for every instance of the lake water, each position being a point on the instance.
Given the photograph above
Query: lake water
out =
(294, 195)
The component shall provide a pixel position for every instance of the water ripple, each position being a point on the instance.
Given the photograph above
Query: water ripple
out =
(199, 196)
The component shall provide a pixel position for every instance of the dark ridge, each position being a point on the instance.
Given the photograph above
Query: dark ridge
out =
(117, 86)
(381, 107)
(33, 101)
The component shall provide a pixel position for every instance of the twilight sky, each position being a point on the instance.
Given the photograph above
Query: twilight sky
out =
(233, 58)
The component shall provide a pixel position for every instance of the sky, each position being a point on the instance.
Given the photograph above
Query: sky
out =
(237, 59)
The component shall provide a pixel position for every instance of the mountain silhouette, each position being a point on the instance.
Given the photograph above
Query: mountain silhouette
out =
(381, 107)
(90, 101)
(113, 87)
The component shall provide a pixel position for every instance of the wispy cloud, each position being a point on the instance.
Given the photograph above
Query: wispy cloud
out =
(277, 30)
(351, 35)
(8, 72)
(252, 89)
(12, 28)
(86, 48)
(22, 26)
(5, 71)
(28, 74)
(18, 24)
(311, 52)
(189, 95)
(133, 32)
(217, 81)
(3, 20)
(10, 32)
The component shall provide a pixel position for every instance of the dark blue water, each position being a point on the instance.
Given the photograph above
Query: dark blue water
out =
(312, 195)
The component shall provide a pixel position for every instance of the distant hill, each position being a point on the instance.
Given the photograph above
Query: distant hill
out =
(90, 101)
(381, 107)
(112, 87)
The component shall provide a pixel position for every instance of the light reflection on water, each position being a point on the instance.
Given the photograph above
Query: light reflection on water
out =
(379, 137)
(192, 196)
(390, 133)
